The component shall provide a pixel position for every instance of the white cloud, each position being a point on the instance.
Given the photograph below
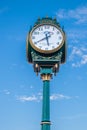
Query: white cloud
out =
(75, 52)
(76, 34)
(38, 97)
(27, 98)
(79, 14)
(78, 56)
(76, 65)
(59, 96)
(84, 59)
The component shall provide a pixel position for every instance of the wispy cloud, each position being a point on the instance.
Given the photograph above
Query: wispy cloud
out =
(61, 97)
(27, 98)
(75, 52)
(38, 97)
(81, 54)
(76, 34)
(79, 14)
(24, 98)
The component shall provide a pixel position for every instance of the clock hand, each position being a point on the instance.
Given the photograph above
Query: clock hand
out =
(47, 39)
(48, 34)
(42, 39)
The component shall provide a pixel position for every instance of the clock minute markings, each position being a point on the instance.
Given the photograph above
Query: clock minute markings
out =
(57, 43)
(53, 47)
(35, 43)
(33, 37)
(46, 26)
(53, 28)
(36, 33)
(60, 37)
(46, 48)
(40, 29)
(40, 47)
(58, 32)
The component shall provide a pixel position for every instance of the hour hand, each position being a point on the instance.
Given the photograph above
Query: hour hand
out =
(41, 39)
(47, 39)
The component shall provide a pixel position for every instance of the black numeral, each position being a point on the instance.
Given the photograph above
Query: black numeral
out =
(46, 48)
(36, 33)
(60, 37)
(40, 29)
(53, 28)
(47, 27)
(53, 47)
(57, 43)
(58, 32)
(33, 37)
(35, 43)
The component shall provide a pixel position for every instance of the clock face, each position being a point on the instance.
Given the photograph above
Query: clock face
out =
(46, 38)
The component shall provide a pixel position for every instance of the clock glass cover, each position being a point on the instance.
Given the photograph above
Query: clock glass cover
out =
(46, 38)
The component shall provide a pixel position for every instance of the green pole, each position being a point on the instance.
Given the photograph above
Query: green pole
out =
(46, 106)
(45, 124)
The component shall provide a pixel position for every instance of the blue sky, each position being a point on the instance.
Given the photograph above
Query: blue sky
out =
(20, 88)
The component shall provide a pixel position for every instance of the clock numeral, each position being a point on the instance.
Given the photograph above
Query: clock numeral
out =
(46, 48)
(35, 43)
(60, 37)
(36, 33)
(53, 28)
(57, 43)
(33, 37)
(40, 29)
(53, 47)
(46, 27)
(58, 32)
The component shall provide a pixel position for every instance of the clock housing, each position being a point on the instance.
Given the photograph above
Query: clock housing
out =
(46, 38)
(46, 43)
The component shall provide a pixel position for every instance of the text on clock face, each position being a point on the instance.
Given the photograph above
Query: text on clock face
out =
(46, 37)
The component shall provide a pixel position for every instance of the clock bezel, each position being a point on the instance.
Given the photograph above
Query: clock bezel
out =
(45, 51)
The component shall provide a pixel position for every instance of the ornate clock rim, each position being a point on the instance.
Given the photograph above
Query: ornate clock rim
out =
(45, 51)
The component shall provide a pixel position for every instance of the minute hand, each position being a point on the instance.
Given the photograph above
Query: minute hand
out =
(42, 39)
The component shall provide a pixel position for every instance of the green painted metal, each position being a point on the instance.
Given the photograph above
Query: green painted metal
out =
(45, 70)
(46, 105)
(46, 100)
(45, 64)
(34, 56)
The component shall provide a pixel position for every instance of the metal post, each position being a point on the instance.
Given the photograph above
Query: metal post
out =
(45, 123)
(46, 106)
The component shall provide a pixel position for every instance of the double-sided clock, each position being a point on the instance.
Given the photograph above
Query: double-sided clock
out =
(46, 42)
(46, 38)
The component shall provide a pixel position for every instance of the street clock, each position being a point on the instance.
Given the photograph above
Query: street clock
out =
(46, 38)
(46, 43)
(46, 50)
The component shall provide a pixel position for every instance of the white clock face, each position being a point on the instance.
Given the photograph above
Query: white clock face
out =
(46, 37)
